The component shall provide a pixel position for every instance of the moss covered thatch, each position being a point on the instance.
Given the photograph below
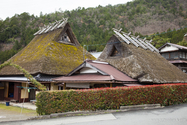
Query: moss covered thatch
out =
(44, 54)
(141, 64)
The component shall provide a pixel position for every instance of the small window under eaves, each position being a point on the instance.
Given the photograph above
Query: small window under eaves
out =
(114, 52)
(66, 38)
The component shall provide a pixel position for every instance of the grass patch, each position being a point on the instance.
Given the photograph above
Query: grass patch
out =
(17, 109)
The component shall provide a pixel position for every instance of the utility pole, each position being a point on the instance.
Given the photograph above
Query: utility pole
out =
(83, 53)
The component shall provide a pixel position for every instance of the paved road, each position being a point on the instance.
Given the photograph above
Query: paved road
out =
(172, 115)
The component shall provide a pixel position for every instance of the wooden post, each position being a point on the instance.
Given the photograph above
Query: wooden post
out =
(64, 86)
(110, 84)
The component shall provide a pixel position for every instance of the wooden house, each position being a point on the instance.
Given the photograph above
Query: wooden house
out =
(53, 52)
(175, 54)
(95, 74)
(185, 37)
(140, 60)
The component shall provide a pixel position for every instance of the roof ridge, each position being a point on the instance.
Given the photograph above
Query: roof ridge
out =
(138, 42)
(99, 62)
(176, 45)
(51, 26)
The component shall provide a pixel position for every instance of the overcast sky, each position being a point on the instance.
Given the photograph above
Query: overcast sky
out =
(9, 8)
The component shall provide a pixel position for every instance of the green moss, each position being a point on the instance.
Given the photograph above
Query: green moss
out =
(43, 53)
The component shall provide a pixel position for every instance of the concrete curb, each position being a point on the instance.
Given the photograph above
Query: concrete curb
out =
(83, 113)
(145, 106)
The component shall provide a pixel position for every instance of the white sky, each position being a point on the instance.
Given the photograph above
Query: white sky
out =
(9, 8)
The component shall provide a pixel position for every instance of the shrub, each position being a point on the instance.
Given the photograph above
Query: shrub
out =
(109, 98)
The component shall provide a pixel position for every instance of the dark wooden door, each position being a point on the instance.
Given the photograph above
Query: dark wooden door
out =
(1, 94)
(32, 94)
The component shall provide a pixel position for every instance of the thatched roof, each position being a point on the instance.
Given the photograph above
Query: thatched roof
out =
(140, 63)
(54, 50)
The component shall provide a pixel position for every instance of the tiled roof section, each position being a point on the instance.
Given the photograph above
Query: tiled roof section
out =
(44, 78)
(107, 68)
(52, 26)
(178, 46)
(178, 61)
(129, 39)
(174, 45)
(112, 74)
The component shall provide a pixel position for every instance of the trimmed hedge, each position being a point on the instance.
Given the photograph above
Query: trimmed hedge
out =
(109, 98)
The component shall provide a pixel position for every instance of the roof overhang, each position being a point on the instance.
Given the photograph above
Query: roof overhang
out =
(132, 85)
(178, 61)
(23, 79)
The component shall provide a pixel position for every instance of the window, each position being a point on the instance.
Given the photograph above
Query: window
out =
(60, 88)
(115, 52)
(183, 55)
(47, 85)
(66, 38)
(174, 55)
(165, 55)
(1, 84)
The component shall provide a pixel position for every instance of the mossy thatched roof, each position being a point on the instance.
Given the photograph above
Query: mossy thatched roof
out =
(141, 64)
(44, 54)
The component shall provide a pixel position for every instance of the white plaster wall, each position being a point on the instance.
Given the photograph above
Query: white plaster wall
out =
(168, 48)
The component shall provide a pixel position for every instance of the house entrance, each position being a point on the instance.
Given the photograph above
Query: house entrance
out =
(11, 90)
(1, 91)
(32, 94)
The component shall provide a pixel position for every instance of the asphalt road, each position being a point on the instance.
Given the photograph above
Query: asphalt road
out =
(171, 115)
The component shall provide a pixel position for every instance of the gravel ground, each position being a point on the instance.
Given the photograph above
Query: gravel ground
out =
(6, 115)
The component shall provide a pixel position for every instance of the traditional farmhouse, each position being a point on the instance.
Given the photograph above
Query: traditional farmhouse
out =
(140, 60)
(94, 74)
(175, 54)
(53, 52)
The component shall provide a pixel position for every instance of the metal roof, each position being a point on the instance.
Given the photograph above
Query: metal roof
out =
(39, 77)
(16, 78)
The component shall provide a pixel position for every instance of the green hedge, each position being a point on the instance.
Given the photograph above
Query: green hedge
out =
(109, 98)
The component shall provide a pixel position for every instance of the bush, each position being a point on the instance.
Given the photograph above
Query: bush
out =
(109, 98)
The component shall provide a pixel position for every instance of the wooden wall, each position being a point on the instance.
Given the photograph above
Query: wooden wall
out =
(24, 91)
(54, 87)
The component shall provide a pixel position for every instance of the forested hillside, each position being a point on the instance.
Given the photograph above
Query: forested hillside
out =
(93, 26)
